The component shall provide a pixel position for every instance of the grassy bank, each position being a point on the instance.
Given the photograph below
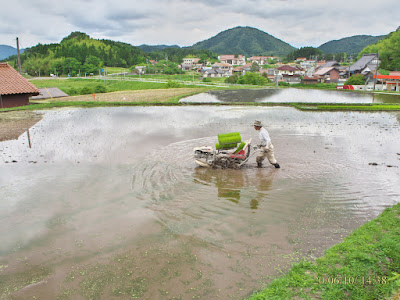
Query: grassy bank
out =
(164, 97)
(76, 85)
(364, 266)
(347, 107)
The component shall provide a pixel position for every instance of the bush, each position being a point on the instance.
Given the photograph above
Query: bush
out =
(282, 83)
(100, 88)
(72, 92)
(355, 80)
(231, 79)
(254, 79)
(86, 90)
(173, 84)
(205, 79)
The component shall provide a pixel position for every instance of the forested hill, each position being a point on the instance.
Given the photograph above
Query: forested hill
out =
(350, 45)
(79, 53)
(388, 49)
(247, 41)
(7, 51)
(151, 48)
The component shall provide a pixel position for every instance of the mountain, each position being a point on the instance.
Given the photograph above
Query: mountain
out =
(7, 51)
(150, 48)
(350, 45)
(248, 41)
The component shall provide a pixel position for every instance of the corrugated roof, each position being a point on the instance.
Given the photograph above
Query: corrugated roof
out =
(11, 82)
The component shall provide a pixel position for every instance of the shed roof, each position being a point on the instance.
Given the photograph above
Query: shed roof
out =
(47, 93)
(11, 82)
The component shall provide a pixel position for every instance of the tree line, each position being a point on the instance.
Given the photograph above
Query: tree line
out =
(78, 53)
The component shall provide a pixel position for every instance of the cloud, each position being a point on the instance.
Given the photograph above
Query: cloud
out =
(185, 22)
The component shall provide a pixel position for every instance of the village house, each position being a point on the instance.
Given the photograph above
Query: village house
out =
(307, 64)
(210, 72)
(239, 60)
(190, 63)
(289, 70)
(15, 90)
(227, 68)
(366, 65)
(327, 74)
(300, 59)
(241, 70)
(153, 62)
(291, 78)
(191, 60)
(389, 82)
(271, 73)
(260, 60)
(310, 80)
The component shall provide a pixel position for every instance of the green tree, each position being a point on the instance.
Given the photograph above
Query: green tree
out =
(357, 79)
(255, 67)
(232, 79)
(307, 52)
(71, 66)
(388, 49)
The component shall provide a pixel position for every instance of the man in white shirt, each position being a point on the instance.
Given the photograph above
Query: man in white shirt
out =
(266, 147)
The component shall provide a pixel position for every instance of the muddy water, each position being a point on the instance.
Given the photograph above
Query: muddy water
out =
(108, 203)
(291, 95)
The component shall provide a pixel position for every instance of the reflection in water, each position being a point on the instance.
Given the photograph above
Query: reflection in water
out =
(291, 95)
(251, 95)
(114, 206)
(230, 183)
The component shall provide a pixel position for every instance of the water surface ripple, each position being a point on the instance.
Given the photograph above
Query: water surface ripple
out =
(108, 203)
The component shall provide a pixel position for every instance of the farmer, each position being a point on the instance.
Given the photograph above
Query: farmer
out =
(266, 147)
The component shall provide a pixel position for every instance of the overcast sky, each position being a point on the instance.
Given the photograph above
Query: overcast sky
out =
(185, 22)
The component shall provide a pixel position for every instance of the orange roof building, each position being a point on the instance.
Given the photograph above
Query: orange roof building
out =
(15, 90)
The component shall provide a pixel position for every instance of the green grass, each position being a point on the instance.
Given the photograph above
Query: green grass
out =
(112, 85)
(364, 266)
(321, 86)
(347, 107)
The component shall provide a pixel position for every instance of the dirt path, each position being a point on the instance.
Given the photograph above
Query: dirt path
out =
(15, 123)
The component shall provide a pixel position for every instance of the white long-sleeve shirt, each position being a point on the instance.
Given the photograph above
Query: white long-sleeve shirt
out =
(265, 140)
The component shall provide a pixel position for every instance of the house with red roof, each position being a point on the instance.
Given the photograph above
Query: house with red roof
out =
(15, 90)
(233, 59)
(392, 82)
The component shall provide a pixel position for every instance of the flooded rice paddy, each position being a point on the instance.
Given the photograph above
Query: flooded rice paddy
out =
(290, 95)
(109, 204)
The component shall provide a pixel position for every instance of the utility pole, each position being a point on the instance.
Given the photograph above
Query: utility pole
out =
(19, 57)
(376, 71)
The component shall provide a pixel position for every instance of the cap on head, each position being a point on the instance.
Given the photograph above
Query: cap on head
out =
(257, 123)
